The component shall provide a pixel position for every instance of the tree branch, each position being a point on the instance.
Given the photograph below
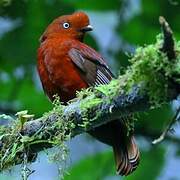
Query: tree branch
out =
(146, 84)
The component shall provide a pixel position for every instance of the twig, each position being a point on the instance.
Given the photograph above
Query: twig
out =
(167, 129)
(26, 172)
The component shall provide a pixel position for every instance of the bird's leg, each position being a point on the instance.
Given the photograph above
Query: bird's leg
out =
(167, 128)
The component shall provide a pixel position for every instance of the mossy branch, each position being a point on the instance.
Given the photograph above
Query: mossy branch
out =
(151, 81)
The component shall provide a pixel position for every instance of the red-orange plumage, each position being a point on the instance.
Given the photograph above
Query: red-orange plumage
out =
(67, 65)
(55, 72)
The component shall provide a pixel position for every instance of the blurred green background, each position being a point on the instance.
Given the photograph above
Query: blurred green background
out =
(120, 26)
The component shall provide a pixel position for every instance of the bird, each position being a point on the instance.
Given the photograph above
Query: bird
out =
(66, 65)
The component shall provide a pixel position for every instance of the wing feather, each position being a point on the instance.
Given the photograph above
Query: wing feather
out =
(93, 69)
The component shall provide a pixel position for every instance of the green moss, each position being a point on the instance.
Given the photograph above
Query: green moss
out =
(109, 90)
(11, 153)
(88, 100)
(151, 68)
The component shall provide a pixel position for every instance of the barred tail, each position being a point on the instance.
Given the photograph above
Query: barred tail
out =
(126, 156)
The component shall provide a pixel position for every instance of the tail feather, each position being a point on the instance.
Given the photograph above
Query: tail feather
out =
(126, 157)
(126, 152)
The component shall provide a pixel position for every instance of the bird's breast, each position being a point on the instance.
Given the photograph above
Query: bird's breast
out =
(58, 74)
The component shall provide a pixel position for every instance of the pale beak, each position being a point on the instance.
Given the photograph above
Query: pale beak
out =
(87, 28)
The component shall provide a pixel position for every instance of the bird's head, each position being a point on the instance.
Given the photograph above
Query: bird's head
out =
(69, 26)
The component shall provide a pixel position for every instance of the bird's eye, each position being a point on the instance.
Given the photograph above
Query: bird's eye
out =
(66, 25)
